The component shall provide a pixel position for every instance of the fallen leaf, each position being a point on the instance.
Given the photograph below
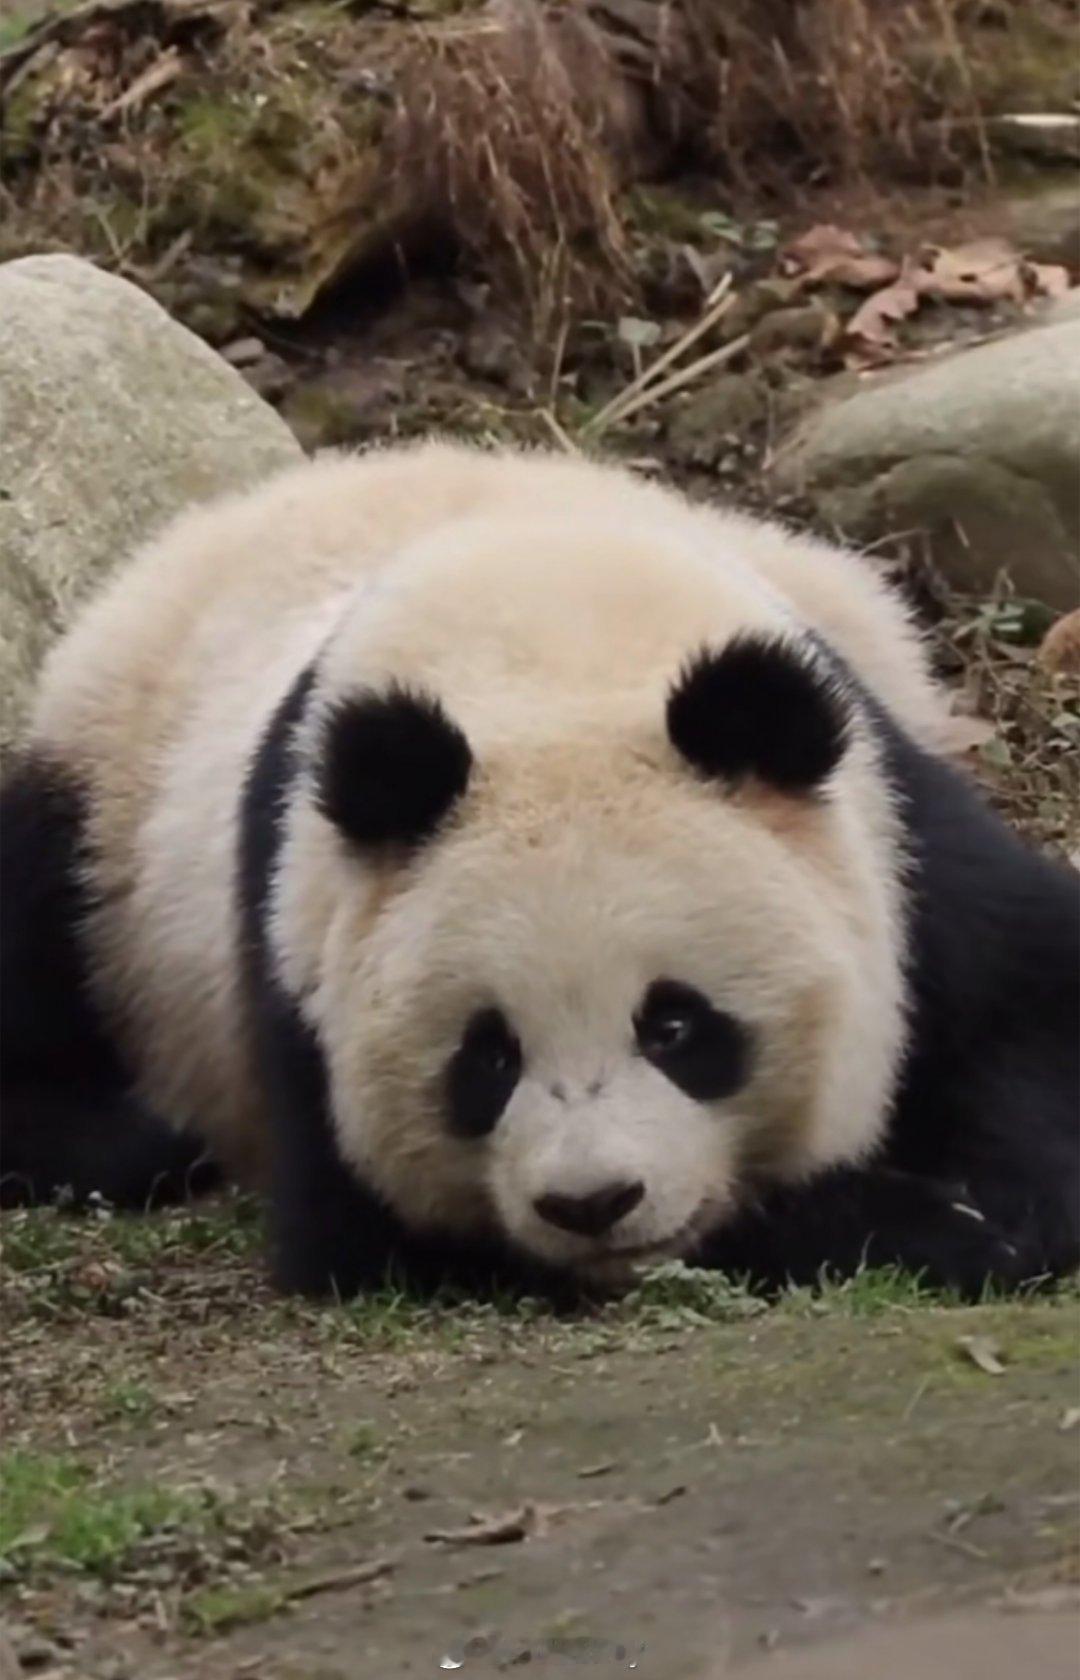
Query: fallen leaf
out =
(1059, 649)
(984, 271)
(601, 1469)
(870, 335)
(984, 1352)
(827, 252)
(1048, 279)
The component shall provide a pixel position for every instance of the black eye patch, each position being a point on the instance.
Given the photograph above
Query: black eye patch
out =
(481, 1074)
(700, 1049)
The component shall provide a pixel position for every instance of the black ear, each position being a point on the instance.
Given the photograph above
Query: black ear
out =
(390, 765)
(761, 706)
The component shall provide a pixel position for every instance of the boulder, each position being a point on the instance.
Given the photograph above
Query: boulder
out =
(112, 418)
(1043, 221)
(980, 451)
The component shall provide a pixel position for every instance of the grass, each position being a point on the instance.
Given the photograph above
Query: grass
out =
(38, 1238)
(291, 149)
(57, 1262)
(127, 1401)
(55, 1514)
(216, 1609)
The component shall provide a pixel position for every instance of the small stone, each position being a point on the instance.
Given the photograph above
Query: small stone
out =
(243, 351)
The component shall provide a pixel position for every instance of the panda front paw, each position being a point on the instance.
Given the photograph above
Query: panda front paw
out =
(847, 1219)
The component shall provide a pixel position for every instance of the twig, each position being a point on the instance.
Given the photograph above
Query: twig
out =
(720, 301)
(558, 432)
(956, 1545)
(340, 1578)
(676, 381)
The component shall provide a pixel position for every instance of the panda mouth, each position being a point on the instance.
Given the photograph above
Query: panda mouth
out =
(644, 1251)
(675, 1241)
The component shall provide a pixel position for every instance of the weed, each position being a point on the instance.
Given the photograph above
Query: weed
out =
(215, 1609)
(54, 1514)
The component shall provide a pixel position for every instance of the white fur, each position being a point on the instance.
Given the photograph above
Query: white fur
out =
(549, 604)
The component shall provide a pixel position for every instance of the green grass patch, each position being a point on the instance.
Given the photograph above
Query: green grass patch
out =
(127, 1401)
(210, 1610)
(54, 1514)
(39, 1237)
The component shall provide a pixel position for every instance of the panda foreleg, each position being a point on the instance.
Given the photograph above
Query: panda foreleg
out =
(68, 1121)
(74, 1143)
(849, 1218)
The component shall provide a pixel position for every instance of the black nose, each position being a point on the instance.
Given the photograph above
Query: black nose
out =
(592, 1215)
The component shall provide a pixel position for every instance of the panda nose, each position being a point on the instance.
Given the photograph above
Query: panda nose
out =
(591, 1215)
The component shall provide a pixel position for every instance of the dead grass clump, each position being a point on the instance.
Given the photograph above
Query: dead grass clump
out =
(260, 152)
(1029, 763)
(511, 124)
(826, 89)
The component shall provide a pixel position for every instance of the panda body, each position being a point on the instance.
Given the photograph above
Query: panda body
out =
(414, 805)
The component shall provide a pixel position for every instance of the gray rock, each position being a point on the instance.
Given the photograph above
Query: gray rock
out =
(980, 451)
(1040, 134)
(112, 418)
(1044, 221)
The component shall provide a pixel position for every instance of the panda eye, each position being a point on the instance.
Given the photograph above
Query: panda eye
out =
(702, 1050)
(665, 1030)
(482, 1073)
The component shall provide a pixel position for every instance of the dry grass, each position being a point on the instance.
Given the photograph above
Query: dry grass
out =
(1030, 765)
(829, 89)
(509, 124)
(265, 142)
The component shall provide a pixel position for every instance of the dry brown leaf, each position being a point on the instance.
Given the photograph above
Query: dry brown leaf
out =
(964, 734)
(984, 271)
(1048, 280)
(984, 1352)
(827, 252)
(870, 334)
(1059, 650)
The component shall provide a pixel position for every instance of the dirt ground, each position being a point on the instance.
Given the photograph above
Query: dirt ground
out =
(687, 1482)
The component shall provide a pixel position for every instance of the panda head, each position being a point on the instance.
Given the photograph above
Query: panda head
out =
(584, 988)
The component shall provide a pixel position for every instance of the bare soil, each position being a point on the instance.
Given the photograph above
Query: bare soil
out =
(688, 1486)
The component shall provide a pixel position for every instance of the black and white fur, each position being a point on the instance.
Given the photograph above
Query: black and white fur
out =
(517, 870)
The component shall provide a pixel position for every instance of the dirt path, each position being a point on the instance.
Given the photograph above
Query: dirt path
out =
(698, 1491)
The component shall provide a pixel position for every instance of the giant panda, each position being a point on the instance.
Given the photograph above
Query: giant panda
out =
(521, 872)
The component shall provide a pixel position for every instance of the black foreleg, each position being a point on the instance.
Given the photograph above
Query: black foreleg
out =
(849, 1218)
(68, 1123)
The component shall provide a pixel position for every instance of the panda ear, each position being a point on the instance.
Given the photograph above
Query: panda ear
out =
(762, 706)
(389, 766)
